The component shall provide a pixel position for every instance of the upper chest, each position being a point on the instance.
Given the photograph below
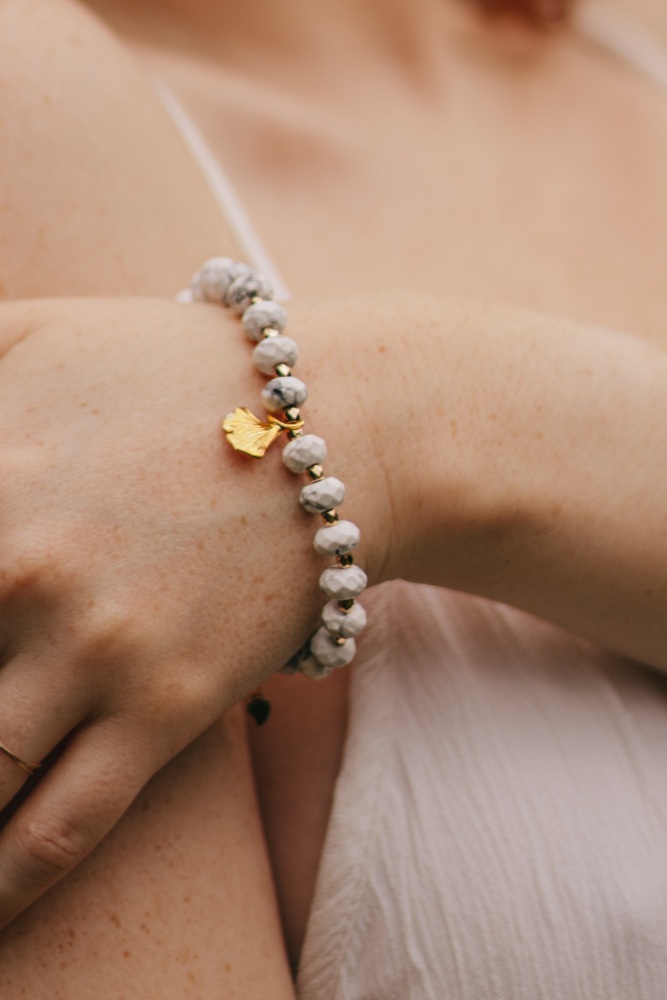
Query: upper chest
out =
(534, 176)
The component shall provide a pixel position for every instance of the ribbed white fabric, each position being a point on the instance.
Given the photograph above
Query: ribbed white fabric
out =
(499, 828)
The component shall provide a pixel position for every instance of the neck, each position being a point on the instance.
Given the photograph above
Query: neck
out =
(287, 41)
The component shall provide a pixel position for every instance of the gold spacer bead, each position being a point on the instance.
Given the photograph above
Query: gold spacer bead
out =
(339, 640)
(345, 560)
(255, 300)
(283, 370)
(292, 414)
(346, 605)
(330, 516)
(269, 331)
(315, 472)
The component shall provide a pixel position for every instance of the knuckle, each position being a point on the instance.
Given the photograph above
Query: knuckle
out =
(111, 636)
(182, 702)
(108, 633)
(178, 695)
(33, 563)
(47, 848)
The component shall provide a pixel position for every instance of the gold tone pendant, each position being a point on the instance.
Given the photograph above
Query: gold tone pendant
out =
(248, 434)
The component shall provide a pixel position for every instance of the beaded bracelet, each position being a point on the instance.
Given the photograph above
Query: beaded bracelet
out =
(249, 294)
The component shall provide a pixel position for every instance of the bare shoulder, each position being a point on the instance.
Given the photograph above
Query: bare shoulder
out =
(54, 39)
(100, 195)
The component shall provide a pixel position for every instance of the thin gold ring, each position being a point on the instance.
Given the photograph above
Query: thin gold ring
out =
(24, 764)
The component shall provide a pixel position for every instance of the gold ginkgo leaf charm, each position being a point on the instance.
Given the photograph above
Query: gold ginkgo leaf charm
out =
(247, 433)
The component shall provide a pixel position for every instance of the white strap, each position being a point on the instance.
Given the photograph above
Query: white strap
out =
(621, 34)
(231, 206)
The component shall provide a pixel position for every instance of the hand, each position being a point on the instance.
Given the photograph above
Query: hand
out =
(149, 576)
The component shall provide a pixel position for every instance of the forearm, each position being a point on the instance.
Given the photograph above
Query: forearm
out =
(574, 448)
(485, 449)
(523, 456)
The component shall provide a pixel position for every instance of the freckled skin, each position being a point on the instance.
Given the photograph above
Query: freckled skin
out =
(126, 942)
(226, 842)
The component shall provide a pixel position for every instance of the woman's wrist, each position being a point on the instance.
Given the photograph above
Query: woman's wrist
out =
(502, 453)
(389, 388)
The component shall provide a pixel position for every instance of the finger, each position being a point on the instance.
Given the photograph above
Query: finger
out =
(38, 709)
(71, 809)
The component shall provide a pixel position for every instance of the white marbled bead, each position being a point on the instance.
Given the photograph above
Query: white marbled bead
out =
(295, 663)
(344, 623)
(324, 495)
(304, 662)
(246, 288)
(262, 315)
(328, 652)
(337, 539)
(274, 351)
(304, 451)
(282, 392)
(311, 667)
(343, 582)
(212, 283)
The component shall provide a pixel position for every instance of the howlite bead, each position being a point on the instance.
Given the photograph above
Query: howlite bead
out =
(212, 283)
(337, 539)
(281, 393)
(304, 451)
(343, 582)
(344, 623)
(262, 315)
(275, 351)
(246, 288)
(321, 496)
(328, 652)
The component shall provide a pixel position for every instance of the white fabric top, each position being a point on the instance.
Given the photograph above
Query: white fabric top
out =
(499, 828)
